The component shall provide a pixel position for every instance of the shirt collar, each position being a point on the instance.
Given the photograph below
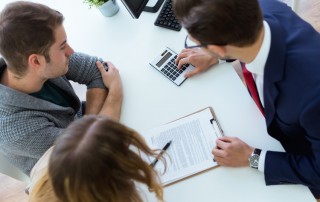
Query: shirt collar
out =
(259, 62)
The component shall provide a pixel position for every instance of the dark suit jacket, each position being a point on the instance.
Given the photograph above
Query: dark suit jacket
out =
(292, 98)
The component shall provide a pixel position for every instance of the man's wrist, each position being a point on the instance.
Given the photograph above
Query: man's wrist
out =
(115, 94)
(95, 98)
(254, 158)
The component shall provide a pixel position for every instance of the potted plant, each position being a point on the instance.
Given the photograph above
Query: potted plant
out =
(108, 8)
(95, 3)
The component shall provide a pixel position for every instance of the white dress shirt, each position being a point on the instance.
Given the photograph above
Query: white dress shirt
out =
(256, 67)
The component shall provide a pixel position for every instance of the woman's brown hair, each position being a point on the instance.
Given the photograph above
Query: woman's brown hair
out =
(96, 159)
(42, 190)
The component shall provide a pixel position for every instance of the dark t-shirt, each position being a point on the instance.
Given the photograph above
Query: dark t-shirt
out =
(53, 94)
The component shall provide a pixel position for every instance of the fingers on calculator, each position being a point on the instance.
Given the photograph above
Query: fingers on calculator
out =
(165, 63)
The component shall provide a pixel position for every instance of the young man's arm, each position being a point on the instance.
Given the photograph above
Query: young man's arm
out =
(104, 95)
(95, 99)
(102, 102)
(83, 70)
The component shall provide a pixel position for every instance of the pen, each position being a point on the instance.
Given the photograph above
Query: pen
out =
(216, 127)
(155, 161)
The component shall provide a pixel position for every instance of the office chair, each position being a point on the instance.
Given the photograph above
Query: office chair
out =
(8, 169)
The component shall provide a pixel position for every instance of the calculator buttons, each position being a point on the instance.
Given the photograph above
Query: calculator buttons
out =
(171, 69)
(165, 63)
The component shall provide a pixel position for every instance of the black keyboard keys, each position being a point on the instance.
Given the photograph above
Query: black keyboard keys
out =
(166, 17)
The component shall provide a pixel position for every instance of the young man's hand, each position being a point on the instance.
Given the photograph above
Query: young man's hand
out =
(111, 77)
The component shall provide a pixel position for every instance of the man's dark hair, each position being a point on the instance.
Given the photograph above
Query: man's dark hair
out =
(26, 28)
(221, 22)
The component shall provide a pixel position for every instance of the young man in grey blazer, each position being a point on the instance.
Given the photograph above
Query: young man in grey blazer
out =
(37, 100)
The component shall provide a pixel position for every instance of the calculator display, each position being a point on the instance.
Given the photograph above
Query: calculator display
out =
(165, 58)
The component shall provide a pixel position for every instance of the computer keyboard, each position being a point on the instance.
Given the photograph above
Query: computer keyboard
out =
(166, 17)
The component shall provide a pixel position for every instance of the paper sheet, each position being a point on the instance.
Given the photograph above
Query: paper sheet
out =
(193, 138)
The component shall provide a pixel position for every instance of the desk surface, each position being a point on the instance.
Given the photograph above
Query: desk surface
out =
(150, 99)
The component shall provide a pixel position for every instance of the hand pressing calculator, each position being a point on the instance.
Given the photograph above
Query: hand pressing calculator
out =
(164, 62)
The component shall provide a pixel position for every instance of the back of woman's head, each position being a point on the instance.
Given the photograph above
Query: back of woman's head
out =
(94, 160)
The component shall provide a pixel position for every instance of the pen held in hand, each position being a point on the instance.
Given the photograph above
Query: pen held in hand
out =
(155, 161)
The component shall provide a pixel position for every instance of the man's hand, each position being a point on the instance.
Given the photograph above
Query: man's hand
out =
(232, 152)
(198, 57)
(111, 78)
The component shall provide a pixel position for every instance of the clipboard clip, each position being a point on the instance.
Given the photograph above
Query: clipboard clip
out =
(216, 126)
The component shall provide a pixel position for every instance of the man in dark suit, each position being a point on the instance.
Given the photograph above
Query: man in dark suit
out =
(280, 52)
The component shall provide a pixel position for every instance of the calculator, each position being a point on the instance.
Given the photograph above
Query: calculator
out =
(164, 62)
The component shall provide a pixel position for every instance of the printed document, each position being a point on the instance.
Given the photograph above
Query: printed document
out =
(193, 138)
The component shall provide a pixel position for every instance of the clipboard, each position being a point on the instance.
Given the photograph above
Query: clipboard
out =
(204, 128)
(214, 121)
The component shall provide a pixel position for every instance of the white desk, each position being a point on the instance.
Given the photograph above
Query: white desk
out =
(150, 99)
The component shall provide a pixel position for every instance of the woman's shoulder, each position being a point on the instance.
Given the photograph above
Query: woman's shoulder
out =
(40, 168)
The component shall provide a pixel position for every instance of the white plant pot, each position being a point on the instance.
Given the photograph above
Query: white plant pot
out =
(110, 8)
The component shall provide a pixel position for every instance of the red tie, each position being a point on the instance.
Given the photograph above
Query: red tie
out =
(251, 85)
